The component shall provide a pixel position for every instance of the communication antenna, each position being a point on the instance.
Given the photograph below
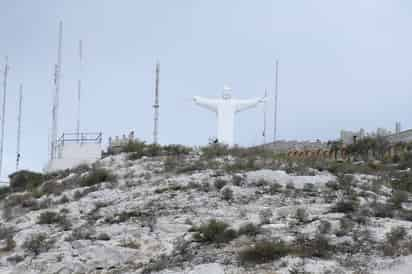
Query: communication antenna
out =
(55, 109)
(276, 102)
(19, 128)
(79, 88)
(264, 119)
(3, 115)
(156, 107)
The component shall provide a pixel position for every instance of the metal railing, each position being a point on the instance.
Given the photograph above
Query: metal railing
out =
(83, 137)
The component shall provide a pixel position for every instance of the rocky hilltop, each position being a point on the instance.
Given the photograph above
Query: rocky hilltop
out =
(207, 212)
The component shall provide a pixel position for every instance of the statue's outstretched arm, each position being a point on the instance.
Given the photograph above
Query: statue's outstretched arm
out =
(210, 104)
(242, 105)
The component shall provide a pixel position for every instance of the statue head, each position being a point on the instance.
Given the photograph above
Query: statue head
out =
(227, 92)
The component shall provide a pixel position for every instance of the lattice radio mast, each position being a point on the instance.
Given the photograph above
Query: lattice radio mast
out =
(79, 88)
(276, 102)
(3, 113)
(18, 155)
(55, 109)
(156, 107)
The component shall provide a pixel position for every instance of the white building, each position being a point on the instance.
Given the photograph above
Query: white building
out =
(73, 149)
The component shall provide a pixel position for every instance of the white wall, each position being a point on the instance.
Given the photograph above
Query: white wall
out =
(73, 154)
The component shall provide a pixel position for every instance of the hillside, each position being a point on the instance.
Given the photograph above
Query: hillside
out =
(207, 213)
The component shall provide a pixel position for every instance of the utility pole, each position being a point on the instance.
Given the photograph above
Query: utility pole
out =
(3, 115)
(276, 102)
(19, 127)
(156, 107)
(79, 88)
(264, 119)
(55, 110)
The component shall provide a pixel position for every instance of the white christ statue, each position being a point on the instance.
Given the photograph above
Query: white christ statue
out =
(225, 109)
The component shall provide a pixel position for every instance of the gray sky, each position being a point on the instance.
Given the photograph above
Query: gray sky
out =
(343, 64)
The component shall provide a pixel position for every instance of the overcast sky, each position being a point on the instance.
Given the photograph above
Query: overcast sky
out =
(343, 64)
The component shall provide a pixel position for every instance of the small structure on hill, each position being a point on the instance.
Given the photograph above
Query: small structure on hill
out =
(73, 149)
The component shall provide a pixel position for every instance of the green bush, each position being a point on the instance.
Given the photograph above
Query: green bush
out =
(4, 191)
(263, 252)
(176, 150)
(318, 247)
(301, 215)
(10, 245)
(275, 188)
(227, 194)
(345, 206)
(398, 198)
(215, 151)
(220, 183)
(134, 146)
(324, 227)
(214, 232)
(37, 244)
(97, 176)
(50, 217)
(393, 242)
(25, 180)
(237, 180)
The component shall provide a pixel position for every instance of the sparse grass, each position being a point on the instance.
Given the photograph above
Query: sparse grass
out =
(170, 188)
(38, 243)
(395, 244)
(265, 216)
(249, 229)
(83, 232)
(52, 187)
(318, 247)
(130, 243)
(263, 252)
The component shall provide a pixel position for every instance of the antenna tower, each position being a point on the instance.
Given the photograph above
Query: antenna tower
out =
(156, 107)
(55, 110)
(79, 88)
(19, 128)
(3, 115)
(276, 102)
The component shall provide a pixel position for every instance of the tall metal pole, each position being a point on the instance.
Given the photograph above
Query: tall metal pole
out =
(276, 102)
(55, 110)
(19, 128)
(156, 107)
(264, 119)
(79, 88)
(3, 113)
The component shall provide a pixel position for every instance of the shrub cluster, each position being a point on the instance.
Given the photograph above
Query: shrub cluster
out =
(97, 176)
(25, 180)
(263, 252)
(51, 217)
(214, 232)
